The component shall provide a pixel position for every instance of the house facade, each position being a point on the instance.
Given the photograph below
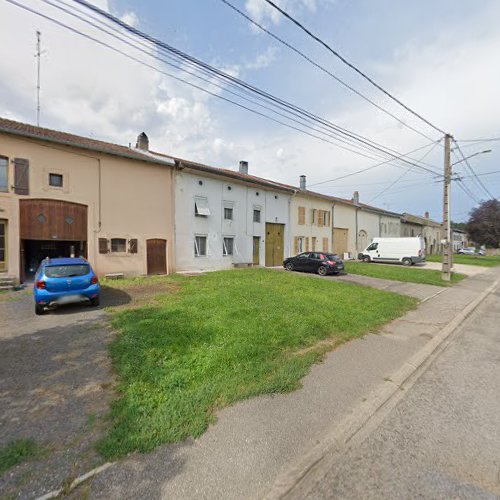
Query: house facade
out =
(63, 195)
(430, 230)
(310, 221)
(459, 239)
(355, 225)
(226, 219)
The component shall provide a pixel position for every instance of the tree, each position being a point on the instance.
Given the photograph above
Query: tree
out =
(484, 224)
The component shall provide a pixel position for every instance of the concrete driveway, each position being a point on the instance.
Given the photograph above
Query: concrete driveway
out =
(55, 384)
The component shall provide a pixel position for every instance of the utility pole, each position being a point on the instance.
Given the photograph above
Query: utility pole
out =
(38, 55)
(447, 247)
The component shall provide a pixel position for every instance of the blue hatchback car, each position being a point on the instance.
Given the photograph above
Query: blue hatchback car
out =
(65, 281)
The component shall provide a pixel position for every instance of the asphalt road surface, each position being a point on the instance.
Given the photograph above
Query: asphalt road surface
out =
(442, 440)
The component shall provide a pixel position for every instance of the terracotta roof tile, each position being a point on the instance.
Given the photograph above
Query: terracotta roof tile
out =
(45, 134)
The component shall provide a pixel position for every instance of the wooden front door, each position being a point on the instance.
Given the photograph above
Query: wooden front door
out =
(3, 245)
(256, 250)
(274, 244)
(156, 250)
(340, 240)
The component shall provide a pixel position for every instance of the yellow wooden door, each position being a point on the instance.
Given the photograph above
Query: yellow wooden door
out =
(274, 244)
(340, 238)
(3, 245)
(256, 250)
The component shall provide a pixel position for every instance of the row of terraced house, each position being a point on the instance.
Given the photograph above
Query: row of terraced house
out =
(133, 211)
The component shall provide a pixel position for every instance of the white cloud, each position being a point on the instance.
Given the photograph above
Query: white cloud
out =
(130, 18)
(263, 60)
(261, 11)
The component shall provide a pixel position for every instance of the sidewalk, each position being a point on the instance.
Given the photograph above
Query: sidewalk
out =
(255, 441)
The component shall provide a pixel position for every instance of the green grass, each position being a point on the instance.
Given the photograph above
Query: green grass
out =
(17, 452)
(401, 273)
(471, 260)
(223, 337)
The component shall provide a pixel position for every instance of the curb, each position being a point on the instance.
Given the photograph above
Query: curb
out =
(360, 416)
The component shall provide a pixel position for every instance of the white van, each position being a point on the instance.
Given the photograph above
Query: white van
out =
(405, 250)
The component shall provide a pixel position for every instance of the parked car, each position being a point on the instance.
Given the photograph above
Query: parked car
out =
(65, 281)
(407, 251)
(315, 262)
(467, 251)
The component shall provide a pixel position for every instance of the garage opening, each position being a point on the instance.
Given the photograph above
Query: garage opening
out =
(50, 228)
(37, 250)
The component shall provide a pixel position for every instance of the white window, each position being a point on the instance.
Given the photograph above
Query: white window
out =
(228, 213)
(227, 246)
(201, 207)
(200, 246)
(300, 244)
(118, 245)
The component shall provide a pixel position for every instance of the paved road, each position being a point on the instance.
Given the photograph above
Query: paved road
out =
(255, 440)
(442, 440)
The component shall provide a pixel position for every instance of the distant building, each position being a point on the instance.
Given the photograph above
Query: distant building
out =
(459, 239)
(430, 230)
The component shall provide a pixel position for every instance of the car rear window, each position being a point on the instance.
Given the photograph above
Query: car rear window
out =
(67, 271)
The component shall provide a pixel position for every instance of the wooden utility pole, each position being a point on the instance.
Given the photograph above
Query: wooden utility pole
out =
(448, 246)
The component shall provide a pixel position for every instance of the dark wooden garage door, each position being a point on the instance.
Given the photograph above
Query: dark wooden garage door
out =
(52, 220)
(157, 256)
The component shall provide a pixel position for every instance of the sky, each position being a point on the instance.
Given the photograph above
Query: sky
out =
(439, 58)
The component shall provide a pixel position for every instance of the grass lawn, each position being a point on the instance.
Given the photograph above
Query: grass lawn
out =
(17, 452)
(222, 337)
(400, 273)
(471, 260)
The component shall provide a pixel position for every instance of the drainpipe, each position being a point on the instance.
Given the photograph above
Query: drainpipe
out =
(357, 251)
(333, 222)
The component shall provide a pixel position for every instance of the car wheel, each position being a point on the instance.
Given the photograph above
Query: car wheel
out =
(322, 270)
(406, 261)
(39, 310)
(366, 258)
(289, 266)
(94, 302)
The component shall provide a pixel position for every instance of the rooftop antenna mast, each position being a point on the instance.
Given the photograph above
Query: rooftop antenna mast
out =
(38, 55)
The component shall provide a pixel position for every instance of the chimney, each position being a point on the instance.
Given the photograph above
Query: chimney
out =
(142, 142)
(355, 197)
(426, 215)
(243, 167)
(302, 182)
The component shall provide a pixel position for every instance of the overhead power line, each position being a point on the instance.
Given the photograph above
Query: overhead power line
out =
(289, 107)
(427, 153)
(371, 167)
(478, 180)
(352, 66)
(322, 68)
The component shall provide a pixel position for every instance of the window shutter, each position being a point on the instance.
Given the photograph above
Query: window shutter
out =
(325, 244)
(302, 215)
(132, 245)
(103, 245)
(21, 176)
(307, 243)
(296, 245)
(313, 243)
(320, 217)
(327, 218)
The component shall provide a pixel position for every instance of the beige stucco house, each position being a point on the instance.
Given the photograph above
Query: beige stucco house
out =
(355, 225)
(310, 221)
(66, 195)
(430, 230)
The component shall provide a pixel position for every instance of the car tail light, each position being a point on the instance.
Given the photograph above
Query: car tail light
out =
(41, 285)
(94, 280)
